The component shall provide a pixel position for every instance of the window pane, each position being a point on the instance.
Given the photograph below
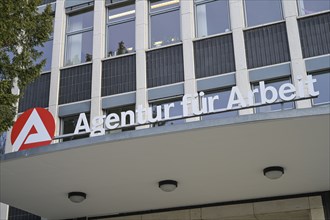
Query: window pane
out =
(3, 137)
(80, 21)
(121, 38)
(261, 12)
(176, 111)
(47, 49)
(69, 125)
(120, 13)
(273, 107)
(322, 85)
(313, 6)
(158, 5)
(221, 103)
(165, 28)
(79, 48)
(118, 112)
(212, 18)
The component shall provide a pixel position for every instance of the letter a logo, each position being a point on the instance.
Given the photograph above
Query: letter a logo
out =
(34, 128)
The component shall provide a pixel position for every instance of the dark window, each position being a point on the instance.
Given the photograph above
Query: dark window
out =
(121, 30)
(69, 125)
(322, 85)
(261, 12)
(118, 111)
(272, 107)
(174, 112)
(212, 17)
(220, 104)
(79, 42)
(3, 137)
(164, 22)
(312, 6)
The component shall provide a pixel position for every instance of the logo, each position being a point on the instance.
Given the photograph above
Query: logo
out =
(34, 128)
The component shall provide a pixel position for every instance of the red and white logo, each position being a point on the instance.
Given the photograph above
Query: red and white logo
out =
(34, 128)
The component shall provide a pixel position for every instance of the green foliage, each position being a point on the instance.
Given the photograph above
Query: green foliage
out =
(22, 29)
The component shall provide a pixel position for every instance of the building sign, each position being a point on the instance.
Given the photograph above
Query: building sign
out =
(199, 105)
(34, 128)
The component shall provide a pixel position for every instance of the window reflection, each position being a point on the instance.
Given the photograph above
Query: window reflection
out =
(212, 17)
(47, 51)
(312, 6)
(322, 85)
(175, 111)
(272, 107)
(261, 12)
(121, 30)
(164, 22)
(68, 126)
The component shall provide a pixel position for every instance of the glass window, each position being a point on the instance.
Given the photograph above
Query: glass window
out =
(79, 42)
(312, 6)
(272, 107)
(212, 17)
(121, 30)
(3, 137)
(69, 125)
(164, 22)
(118, 111)
(261, 12)
(322, 85)
(47, 50)
(220, 104)
(175, 111)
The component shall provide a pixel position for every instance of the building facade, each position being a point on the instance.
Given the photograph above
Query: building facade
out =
(112, 56)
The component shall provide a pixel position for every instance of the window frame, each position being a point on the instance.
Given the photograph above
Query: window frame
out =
(121, 21)
(159, 12)
(72, 33)
(201, 2)
(299, 9)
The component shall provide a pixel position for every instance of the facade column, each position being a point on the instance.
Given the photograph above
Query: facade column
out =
(57, 60)
(298, 67)
(98, 55)
(242, 75)
(141, 45)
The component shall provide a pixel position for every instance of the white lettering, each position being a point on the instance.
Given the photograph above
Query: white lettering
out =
(82, 124)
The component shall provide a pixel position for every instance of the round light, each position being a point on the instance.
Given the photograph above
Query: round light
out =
(273, 172)
(77, 197)
(168, 185)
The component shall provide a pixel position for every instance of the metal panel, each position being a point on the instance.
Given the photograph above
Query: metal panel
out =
(73, 109)
(75, 84)
(315, 35)
(43, 2)
(266, 45)
(318, 63)
(119, 75)
(165, 66)
(270, 72)
(214, 56)
(36, 94)
(119, 100)
(166, 91)
(72, 3)
(216, 82)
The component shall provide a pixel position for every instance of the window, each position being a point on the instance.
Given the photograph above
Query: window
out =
(121, 30)
(3, 137)
(128, 119)
(312, 6)
(79, 38)
(261, 12)
(212, 17)
(68, 126)
(164, 22)
(220, 104)
(174, 111)
(272, 107)
(322, 85)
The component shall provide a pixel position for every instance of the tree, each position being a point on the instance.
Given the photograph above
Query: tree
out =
(22, 29)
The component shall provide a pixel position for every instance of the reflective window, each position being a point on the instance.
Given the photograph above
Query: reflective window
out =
(164, 22)
(322, 85)
(118, 111)
(121, 30)
(3, 137)
(175, 111)
(272, 107)
(261, 12)
(79, 42)
(212, 17)
(312, 6)
(220, 104)
(47, 50)
(69, 125)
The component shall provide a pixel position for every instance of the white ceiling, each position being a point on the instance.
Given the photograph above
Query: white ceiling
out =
(214, 164)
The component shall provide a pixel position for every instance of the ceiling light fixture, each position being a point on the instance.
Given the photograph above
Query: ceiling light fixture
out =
(76, 197)
(274, 172)
(168, 185)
